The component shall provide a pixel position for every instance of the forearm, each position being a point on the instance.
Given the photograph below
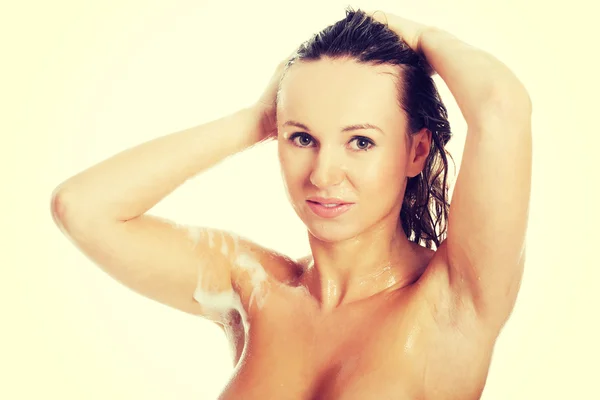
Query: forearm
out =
(478, 81)
(133, 181)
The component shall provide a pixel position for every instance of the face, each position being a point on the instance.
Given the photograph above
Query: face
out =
(342, 135)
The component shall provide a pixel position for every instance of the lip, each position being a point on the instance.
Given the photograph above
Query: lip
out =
(327, 200)
(328, 212)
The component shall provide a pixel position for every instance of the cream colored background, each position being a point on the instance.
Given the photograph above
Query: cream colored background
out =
(82, 80)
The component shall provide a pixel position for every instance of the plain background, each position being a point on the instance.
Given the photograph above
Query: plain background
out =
(83, 80)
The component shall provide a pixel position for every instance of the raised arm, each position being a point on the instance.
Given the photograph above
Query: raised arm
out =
(103, 210)
(485, 246)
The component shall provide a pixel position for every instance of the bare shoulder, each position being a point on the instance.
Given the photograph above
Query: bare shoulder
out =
(278, 267)
(255, 266)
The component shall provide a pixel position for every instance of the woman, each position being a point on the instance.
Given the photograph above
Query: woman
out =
(370, 313)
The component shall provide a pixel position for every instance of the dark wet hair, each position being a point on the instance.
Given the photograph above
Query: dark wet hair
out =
(425, 208)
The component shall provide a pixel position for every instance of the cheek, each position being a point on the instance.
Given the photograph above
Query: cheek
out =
(294, 168)
(382, 174)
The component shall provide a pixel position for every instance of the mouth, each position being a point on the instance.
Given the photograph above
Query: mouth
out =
(327, 205)
(328, 201)
(328, 209)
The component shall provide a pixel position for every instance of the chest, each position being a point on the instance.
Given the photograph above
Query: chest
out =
(387, 349)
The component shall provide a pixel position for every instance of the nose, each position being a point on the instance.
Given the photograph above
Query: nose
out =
(328, 170)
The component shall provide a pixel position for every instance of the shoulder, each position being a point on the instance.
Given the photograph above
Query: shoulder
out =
(257, 267)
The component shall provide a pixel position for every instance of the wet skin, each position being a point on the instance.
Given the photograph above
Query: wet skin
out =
(327, 327)
(412, 341)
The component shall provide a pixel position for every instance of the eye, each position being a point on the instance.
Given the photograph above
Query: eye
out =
(363, 143)
(304, 139)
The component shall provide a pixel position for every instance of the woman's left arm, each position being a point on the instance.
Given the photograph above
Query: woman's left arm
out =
(490, 205)
(485, 246)
(480, 83)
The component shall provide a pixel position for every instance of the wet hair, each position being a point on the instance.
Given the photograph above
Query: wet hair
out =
(425, 208)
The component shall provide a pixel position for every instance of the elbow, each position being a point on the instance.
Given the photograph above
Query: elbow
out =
(72, 213)
(56, 205)
(60, 208)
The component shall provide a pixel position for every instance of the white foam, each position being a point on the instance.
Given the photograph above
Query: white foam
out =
(301, 290)
(258, 277)
(223, 245)
(222, 303)
(240, 308)
(236, 244)
(211, 242)
(195, 234)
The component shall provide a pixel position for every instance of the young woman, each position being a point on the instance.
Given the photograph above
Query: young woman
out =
(374, 312)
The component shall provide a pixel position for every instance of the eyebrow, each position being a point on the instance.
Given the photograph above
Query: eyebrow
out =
(349, 128)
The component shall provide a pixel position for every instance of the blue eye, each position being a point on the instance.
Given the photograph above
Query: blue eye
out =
(304, 141)
(365, 143)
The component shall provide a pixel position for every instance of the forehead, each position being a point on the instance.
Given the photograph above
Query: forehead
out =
(347, 90)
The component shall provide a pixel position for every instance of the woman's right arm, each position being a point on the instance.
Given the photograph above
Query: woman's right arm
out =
(130, 183)
(103, 211)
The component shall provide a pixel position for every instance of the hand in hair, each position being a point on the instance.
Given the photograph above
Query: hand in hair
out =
(409, 31)
(266, 104)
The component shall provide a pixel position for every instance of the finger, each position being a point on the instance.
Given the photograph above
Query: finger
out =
(378, 15)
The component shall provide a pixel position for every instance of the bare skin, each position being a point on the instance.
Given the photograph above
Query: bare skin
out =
(410, 341)
(368, 314)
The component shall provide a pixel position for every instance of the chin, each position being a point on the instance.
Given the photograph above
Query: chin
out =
(330, 231)
(327, 236)
(327, 230)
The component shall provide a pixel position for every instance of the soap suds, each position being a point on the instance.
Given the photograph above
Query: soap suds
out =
(208, 293)
(195, 234)
(258, 277)
(211, 241)
(223, 245)
(222, 303)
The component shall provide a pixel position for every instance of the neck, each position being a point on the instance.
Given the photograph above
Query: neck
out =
(357, 268)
